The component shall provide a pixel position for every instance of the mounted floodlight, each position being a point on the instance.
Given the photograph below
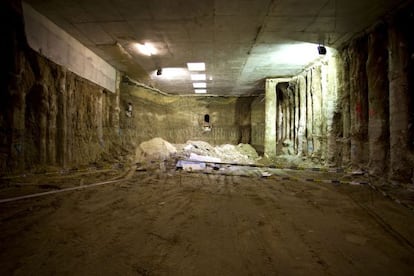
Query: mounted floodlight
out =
(196, 66)
(321, 50)
(146, 49)
(198, 77)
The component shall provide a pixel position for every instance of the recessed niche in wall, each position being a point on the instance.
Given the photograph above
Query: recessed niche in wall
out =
(207, 125)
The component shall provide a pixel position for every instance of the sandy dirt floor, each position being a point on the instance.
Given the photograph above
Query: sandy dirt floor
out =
(180, 223)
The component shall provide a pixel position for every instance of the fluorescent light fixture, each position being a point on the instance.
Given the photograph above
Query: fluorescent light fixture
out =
(200, 85)
(198, 77)
(146, 49)
(200, 91)
(196, 66)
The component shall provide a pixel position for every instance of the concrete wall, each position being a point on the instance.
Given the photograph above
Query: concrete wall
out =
(49, 40)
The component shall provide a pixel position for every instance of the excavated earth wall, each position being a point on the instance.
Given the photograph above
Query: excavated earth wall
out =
(49, 116)
(375, 88)
(178, 119)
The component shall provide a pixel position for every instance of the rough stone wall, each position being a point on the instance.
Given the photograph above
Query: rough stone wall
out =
(258, 124)
(49, 116)
(358, 102)
(344, 96)
(309, 115)
(377, 70)
(399, 97)
(301, 90)
(331, 112)
(304, 113)
(179, 119)
(317, 102)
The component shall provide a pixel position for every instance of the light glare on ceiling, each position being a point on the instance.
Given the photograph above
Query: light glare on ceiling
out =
(199, 85)
(146, 49)
(200, 91)
(198, 77)
(196, 66)
(295, 54)
(169, 73)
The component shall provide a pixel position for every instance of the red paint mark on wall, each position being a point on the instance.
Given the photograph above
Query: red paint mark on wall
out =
(358, 108)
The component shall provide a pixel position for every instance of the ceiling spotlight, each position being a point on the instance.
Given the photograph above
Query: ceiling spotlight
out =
(159, 72)
(146, 49)
(321, 50)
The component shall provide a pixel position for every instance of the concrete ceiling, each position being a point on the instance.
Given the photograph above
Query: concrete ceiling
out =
(241, 41)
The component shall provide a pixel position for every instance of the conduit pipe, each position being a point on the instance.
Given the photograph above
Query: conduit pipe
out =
(69, 189)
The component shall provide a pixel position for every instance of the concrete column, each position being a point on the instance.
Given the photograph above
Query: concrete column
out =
(100, 118)
(358, 103)
(345, 106)
(287, 116)
(61, 141)
(292, 116)
(116, 108)
(377, 70)
(332, 111)
(17, 149)
(398, 103)
(270, 119)
(317, 111)
(326, 111)
(296, 124)
(70, 115)
(279, 120)
(309, 115)
(51, 130)
(302, 115)
(43, 92)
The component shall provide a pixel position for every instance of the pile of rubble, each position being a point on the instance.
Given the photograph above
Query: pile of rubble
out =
(157, 149)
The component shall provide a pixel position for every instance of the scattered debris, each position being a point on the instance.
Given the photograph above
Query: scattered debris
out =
(266, 174)
(154, 149)
(191, 165)
(160, 154)
(201, 158)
